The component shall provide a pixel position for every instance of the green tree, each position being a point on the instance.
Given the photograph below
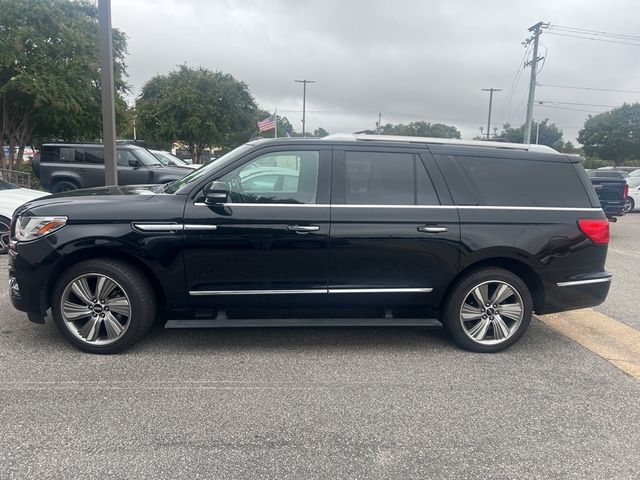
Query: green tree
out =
(421, 129)
(320, 132)
(549, 134)
(198, 107)
(49, 72)
(613, 135)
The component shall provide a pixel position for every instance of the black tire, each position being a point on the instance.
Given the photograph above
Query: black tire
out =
(629, 205)
(63, 186)
(5, 226)
(462, 290)
(130, 282)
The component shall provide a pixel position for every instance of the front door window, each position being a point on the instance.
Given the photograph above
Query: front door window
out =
(279, 177)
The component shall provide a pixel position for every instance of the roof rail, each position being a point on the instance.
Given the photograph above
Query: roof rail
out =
(441, 141)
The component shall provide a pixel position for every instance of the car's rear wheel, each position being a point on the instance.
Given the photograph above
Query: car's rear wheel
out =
(629, 205)
(63, 186)
(488, 310)
(103, 305)
(5, 234)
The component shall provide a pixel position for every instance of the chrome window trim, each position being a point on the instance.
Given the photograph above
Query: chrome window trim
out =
(461, 207)
(200, 293)
(583, 282)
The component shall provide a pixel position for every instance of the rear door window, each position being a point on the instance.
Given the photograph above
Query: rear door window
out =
(94, 155)
(386, 178)
(517, 182)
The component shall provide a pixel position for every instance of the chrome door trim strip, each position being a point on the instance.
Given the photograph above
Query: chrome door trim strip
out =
(583, 282)
(393, 206)
(200, 293)
(380, 290)
(192, 227)
(158, 227)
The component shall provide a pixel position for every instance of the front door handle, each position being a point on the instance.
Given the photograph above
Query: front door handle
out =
(303, 228)
(432, 229)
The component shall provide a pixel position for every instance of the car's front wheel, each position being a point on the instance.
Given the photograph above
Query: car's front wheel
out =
(5, 234)
(488, 310)
(63, 186)
(103, 305)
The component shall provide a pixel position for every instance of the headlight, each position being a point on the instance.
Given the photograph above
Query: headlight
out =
(31, 228)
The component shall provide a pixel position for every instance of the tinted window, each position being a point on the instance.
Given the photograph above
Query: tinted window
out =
(279, 177)
(125, 157)
(71, 155)
(380, 178)
(94, 155)
(514, 182)
(50, 154)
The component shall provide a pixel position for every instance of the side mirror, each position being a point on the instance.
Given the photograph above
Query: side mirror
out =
(135, 163)
(216, 192)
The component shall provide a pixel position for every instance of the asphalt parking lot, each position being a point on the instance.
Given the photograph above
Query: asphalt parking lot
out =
(321, 403)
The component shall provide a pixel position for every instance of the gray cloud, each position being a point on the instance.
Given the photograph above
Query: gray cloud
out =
(410, 60)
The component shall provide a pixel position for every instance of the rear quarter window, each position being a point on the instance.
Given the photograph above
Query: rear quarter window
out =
(518, 182)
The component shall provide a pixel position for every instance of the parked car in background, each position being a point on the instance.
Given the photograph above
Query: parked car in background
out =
(70, 166)
(612, 190)
(370, 230)
(170, 160)
(625, 171)
(11, 197)
(635, 173)
(633, 198)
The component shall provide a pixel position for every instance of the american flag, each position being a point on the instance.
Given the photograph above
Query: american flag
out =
(267, 124)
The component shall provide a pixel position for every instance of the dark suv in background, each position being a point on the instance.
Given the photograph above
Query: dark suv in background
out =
(70, 166)
(346, 230)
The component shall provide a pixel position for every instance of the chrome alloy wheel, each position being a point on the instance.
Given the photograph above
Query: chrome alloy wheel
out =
(96, 309)
(4, 236)
(491, 312)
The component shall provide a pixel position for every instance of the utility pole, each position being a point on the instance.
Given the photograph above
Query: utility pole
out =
(490, 90)
(536, 30)
(304, 101)
(108, 95)
(379, 123)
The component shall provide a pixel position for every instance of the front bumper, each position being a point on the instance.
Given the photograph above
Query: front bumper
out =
(578, 291)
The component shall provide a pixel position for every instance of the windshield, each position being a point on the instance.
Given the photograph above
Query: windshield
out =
(146, 157)
(6, 185)
(633, 182)
(171, 159)
(203, 172)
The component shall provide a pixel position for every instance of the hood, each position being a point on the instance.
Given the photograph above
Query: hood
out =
(105, 204)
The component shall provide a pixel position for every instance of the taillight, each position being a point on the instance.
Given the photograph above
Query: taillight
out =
(626, 190)
(596, 230)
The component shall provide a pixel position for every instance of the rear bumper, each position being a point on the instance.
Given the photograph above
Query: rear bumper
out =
(578, 291)
(613, 209)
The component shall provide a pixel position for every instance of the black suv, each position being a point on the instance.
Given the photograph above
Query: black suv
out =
(347, 230)
(68, 166)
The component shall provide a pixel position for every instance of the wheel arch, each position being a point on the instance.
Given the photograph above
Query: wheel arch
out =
(97, 252)
(528, 275)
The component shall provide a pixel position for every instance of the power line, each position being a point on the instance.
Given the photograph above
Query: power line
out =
(506, 107)
(595, 39)
(594, 32)
(569, 108)
(574, 103)
(588, 88)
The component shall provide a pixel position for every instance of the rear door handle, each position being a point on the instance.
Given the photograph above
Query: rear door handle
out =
(432, 229)
(303, 228)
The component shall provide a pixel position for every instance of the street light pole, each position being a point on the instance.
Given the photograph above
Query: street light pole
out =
(108, 94)
(304, 101)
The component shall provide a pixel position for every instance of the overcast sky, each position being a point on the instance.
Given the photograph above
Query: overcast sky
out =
(410, 60)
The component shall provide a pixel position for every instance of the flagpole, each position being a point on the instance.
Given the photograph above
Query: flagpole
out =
(276, 114)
